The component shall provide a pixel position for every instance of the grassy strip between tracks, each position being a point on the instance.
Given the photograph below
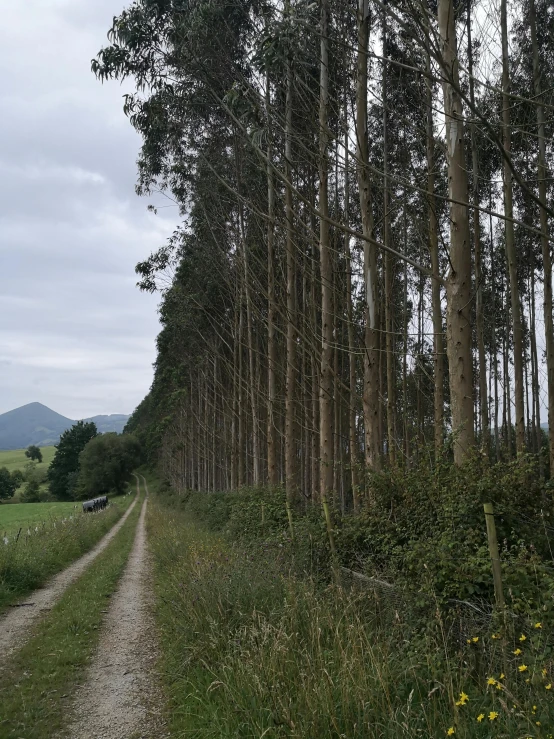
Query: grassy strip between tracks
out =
(36, 685)
(26, 563)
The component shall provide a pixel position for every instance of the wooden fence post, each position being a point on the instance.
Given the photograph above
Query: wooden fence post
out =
(289, 516)
(495, 557)
(331, 536)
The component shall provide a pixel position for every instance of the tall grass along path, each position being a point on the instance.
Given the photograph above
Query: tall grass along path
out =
(16, 625)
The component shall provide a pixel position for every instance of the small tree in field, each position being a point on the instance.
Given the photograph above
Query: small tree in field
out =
(34, 453)
(8, 485)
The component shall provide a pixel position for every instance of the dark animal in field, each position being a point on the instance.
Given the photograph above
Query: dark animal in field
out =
(96, 504)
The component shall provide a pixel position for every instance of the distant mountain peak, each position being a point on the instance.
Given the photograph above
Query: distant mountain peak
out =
(35, 423)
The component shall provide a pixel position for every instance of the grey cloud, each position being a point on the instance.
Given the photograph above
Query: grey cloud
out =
(75, 333)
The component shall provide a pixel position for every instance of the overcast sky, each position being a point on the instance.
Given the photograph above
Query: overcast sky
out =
(75, 332)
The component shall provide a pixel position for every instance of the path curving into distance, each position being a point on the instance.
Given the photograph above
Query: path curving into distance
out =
(120, 698)
(17, 624)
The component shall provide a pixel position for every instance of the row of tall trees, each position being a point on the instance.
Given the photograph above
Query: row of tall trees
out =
(363, 271)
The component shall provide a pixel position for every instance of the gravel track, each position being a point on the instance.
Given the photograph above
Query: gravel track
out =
(16, 626)
(120, 698)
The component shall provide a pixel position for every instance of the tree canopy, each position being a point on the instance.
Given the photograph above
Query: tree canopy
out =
(33, 453)
(8, 484)
(106, 464)
(61, 473)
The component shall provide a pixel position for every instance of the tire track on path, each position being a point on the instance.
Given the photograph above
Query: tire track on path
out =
(120, 698)
(17, 624)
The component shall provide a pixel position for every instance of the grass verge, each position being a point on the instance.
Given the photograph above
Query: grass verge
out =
(27, 563)
(32, 516)
(251, 650)
(15, 516)
(41, 675)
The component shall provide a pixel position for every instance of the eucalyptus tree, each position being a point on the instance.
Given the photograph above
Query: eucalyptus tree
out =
(458, 282)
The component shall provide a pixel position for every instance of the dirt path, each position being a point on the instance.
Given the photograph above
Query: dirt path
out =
(119, 697)
(16, 625)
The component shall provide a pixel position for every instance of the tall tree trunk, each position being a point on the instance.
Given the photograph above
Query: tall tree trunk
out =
(291, 459)
(326, 270)
(545, 245)
(272, 477)
(507, 382)
(371, 338)
(511, 256)
(482, 360)
(214, 425)
(419, 364)
(241, 471)
(458, 283)
(438, 340)
(337, 470)
(235, 407)
(405, 353)
(352, 433)
(251, 384)
(389, 266)
(535, 371)
(314, 355)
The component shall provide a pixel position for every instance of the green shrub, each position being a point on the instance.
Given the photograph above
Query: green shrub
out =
(31, 493)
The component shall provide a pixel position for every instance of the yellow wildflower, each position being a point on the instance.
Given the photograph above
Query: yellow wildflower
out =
(495, 636)
(451, 731)
(522, 637)
(475, 639)
(463, 700)
(480, 717)
(517, 652)
(538, 625)
(548, 687)
(493, 715)
(543, 672)
(502, 676)
(491, 681)
(522, 668)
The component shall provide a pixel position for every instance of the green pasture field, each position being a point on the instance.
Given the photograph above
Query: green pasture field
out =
(14, 516)
(15, 459)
